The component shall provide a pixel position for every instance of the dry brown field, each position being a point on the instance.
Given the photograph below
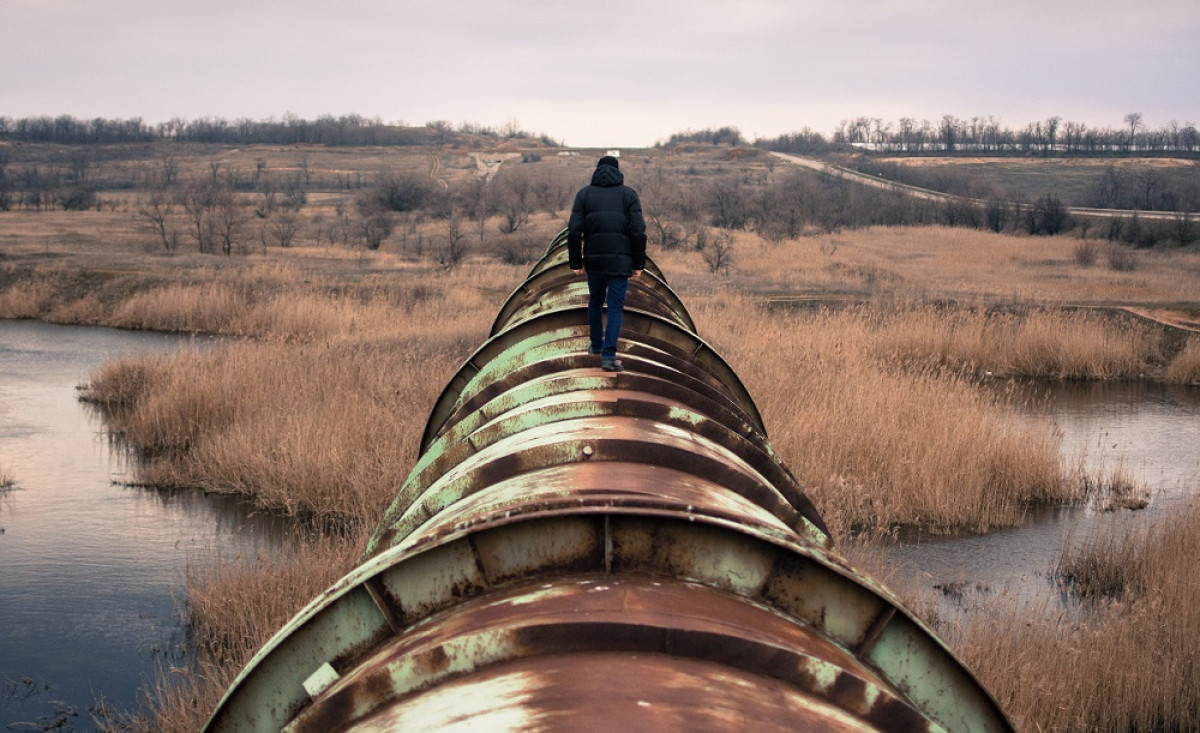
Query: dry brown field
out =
(872, 354)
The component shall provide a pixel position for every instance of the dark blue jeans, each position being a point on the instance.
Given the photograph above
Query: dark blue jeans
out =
(606, 290)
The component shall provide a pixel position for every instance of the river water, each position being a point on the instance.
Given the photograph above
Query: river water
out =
(90, 569)
(1146, 431)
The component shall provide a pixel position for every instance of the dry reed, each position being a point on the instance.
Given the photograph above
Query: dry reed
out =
(29, 299)
(1185, 367)
(326, 429)
(1038, 343)
(879, 446)
(1128, 661)
(1112, 488)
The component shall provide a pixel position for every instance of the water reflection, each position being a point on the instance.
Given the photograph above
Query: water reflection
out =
(90, 568)
(1149, 431)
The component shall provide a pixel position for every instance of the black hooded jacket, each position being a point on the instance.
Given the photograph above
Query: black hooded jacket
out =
(606, 233)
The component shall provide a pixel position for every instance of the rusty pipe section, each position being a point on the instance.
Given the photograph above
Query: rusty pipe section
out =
(577, 548)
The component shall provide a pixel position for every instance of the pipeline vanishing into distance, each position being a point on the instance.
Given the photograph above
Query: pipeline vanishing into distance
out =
(578, 549)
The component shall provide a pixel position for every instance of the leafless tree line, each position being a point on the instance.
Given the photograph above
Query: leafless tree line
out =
(290, 130)
(1052, 136)
(214, 210)
(37, 188)
(213, 213)
(684, 214)
(1133, 187)
(404, 202)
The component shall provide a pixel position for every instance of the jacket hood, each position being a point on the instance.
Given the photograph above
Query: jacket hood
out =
(606, 175)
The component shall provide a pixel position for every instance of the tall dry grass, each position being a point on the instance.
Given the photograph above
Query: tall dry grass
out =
(327, 429)
(879, 443)
(29, 299)
(1128, 661)
(880, 417)
(1039, 342)
(1185, 367)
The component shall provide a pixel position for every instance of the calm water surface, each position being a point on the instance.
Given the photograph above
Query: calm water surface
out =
(1150, 432)
(89, 569)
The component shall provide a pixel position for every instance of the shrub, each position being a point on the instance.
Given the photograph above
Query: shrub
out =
(76, 199)
(402, 191)
(1121, 259)
(518, 250)
(1048, 216)
(374, 228)
(996, 214)
(1086, 253)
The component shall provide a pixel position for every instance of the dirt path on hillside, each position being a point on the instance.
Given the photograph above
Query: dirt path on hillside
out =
(927, 194)
(433, 173)
(489, 166)
(1175, 318)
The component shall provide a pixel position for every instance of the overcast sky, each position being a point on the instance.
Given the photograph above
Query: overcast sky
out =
(611, 73)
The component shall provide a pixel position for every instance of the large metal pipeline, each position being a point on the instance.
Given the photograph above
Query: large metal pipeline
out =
(581, 549)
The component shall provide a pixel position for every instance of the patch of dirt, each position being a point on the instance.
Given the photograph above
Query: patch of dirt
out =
(1188, 320)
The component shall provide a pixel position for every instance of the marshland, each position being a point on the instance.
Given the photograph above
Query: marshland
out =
(906, 356)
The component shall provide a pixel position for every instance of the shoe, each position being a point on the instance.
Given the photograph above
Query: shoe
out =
(594, 350)
(611, 365)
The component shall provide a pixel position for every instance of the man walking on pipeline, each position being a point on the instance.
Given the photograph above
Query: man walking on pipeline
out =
(606, 237)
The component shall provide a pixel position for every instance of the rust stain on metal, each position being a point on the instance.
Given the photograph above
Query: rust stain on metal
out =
(574, 546)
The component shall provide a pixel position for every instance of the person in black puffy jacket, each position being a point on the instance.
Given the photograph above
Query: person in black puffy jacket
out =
(606, 236)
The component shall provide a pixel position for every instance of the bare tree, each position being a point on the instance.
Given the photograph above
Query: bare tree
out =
(996, 214)
(169, 173)
(518, 250)
(269, 195)
(1048, 216)
(455, 248)
(718, 252)
(729, 203)
(670, 234)
(401, 191)
(412, 234)
(5, 182)
(199, 199)
(1149, 181)
(552, 192)
(284, 227)
(375, 227)
(1134, 120)
(154, 213)
(515, 201)
(229, 216)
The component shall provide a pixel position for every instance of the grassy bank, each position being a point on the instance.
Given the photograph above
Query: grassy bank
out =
(878, 441)
(1128, 661)
(320, 415)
